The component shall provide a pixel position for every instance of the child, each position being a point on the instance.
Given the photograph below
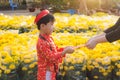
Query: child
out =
(49, 55)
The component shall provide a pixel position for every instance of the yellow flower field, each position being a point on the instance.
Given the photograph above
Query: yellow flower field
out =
(18, 51)
(20, 48)
(63, 20)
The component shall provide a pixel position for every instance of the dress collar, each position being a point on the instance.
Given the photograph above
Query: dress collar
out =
(45, 36)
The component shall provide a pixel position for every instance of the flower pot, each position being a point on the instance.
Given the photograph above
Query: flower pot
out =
(32, 9)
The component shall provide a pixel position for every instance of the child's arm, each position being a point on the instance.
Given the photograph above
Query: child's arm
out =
(68, 49)
(59, 49)
(51, 55)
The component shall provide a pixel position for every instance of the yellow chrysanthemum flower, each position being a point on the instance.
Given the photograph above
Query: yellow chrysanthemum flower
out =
(31, 65)
(96, 77)
(7, 71)
(24, 68)
(12, 66)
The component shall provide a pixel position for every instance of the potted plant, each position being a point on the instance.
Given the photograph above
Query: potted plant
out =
(31, 6)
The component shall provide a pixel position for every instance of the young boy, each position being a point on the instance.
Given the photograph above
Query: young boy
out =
(49, 55)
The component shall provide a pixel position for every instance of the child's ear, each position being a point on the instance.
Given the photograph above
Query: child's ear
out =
(42, 25)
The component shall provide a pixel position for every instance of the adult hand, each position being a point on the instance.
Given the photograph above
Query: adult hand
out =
(91, 44)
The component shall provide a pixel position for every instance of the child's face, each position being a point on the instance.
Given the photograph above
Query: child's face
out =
(48, 28)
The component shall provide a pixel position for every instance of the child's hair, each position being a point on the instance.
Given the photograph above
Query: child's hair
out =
(44, 20)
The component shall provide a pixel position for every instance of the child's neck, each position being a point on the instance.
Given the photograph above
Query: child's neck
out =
(43, 33)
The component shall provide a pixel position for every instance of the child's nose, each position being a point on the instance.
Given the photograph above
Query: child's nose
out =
(53, 27)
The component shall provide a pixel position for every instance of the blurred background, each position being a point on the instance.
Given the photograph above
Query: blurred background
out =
(79, 6)
(76, 21)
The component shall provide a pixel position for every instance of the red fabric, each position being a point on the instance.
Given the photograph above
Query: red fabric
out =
(41, 15)
(47, 58)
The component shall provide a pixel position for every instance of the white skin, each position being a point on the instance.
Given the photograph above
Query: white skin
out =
(48, 29)
(92, 42)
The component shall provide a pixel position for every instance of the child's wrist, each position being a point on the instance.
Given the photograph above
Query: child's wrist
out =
(63, 53)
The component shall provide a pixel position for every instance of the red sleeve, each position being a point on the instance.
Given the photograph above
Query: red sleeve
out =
(60, 50)
(50, 55)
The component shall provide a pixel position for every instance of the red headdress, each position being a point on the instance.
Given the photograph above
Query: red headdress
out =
(41, 15)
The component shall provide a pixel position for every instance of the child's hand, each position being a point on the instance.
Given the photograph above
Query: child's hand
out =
(68, 49)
